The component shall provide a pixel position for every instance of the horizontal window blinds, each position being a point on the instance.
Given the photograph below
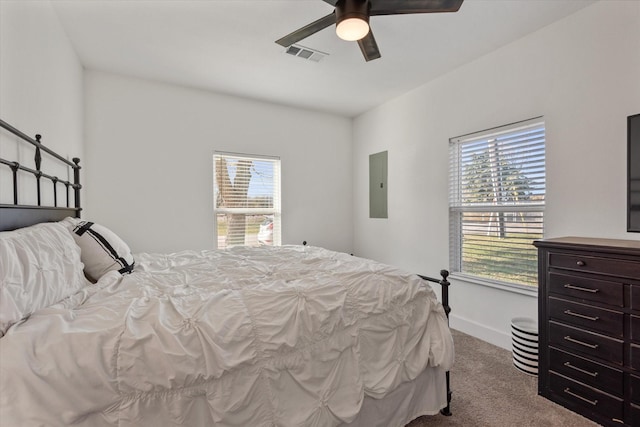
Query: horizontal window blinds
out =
(496, 202)
(246, 200)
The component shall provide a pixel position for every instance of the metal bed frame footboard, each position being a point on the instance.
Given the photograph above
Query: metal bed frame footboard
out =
(16, 215)
(444, 284)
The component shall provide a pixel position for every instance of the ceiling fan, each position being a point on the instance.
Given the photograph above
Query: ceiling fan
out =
(352, 20)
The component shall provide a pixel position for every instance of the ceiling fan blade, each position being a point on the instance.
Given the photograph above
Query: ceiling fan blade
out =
(307, 30)
(398, 7)
(369, 47)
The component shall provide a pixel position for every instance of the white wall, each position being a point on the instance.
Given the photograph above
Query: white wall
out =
(40, 87)
(149, 163)
(582, 74)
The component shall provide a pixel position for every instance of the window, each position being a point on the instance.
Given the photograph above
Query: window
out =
(496, 203)
(246, 200)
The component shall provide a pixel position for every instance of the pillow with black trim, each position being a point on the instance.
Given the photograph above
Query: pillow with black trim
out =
(101, 250)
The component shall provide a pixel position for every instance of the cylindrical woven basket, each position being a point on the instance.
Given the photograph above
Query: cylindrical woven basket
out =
(524, 335)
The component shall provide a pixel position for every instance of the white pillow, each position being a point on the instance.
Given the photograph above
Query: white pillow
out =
(101, 249)
(39, 266)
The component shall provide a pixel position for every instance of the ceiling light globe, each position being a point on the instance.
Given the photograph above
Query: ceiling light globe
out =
(352, 29)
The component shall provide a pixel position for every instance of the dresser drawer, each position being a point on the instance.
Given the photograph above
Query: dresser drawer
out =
(586, 371)
(586, 343)
(635, 327)
(635, 297)
(587, 288)
(635, 415)
(589, 398)
(591, 264)
(599, 319)
(635, 389)
(635, 357)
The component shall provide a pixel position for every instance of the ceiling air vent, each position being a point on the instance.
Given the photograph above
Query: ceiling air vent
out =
(305, 53)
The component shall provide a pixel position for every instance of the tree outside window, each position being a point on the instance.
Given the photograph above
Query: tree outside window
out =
(496, 210)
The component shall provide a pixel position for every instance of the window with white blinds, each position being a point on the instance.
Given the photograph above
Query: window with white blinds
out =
(496, 202)
(246, 200)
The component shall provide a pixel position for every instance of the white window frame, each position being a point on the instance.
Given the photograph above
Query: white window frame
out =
(459, 205)
(275, 211)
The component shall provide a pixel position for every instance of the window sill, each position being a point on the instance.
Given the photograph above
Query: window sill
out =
(508, 287)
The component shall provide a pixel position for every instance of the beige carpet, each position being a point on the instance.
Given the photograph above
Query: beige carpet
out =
(489, 391)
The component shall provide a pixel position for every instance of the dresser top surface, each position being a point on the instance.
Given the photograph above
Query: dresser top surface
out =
(591, 243)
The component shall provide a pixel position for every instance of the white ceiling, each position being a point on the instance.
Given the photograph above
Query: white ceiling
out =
(227, 46)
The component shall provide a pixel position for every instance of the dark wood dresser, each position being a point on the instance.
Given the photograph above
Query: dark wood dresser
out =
(589, 327)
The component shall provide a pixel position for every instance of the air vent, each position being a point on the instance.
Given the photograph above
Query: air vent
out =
(305, 53)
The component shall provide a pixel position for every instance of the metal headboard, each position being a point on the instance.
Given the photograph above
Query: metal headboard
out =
(18, 215)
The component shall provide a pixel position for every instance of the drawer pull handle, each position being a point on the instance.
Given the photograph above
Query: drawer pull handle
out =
(581, 263)
(573, 340)
(582, 316)
(584, 371)
(584, 399)
(578, 288)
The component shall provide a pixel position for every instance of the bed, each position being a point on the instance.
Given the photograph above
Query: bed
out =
(93, 335)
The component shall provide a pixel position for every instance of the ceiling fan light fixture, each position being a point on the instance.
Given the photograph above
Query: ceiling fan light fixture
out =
(352, 19)
(352, 29)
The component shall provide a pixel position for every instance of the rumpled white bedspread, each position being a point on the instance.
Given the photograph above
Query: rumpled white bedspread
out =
(286, 336)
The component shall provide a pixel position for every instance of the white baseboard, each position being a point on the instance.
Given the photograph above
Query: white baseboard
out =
(485, 333)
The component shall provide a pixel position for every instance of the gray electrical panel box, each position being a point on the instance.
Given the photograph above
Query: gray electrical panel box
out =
(378, 185)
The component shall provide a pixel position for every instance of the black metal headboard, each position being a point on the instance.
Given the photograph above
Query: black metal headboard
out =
(18, 215)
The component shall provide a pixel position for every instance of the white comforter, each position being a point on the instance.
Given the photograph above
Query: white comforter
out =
(286, 336)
